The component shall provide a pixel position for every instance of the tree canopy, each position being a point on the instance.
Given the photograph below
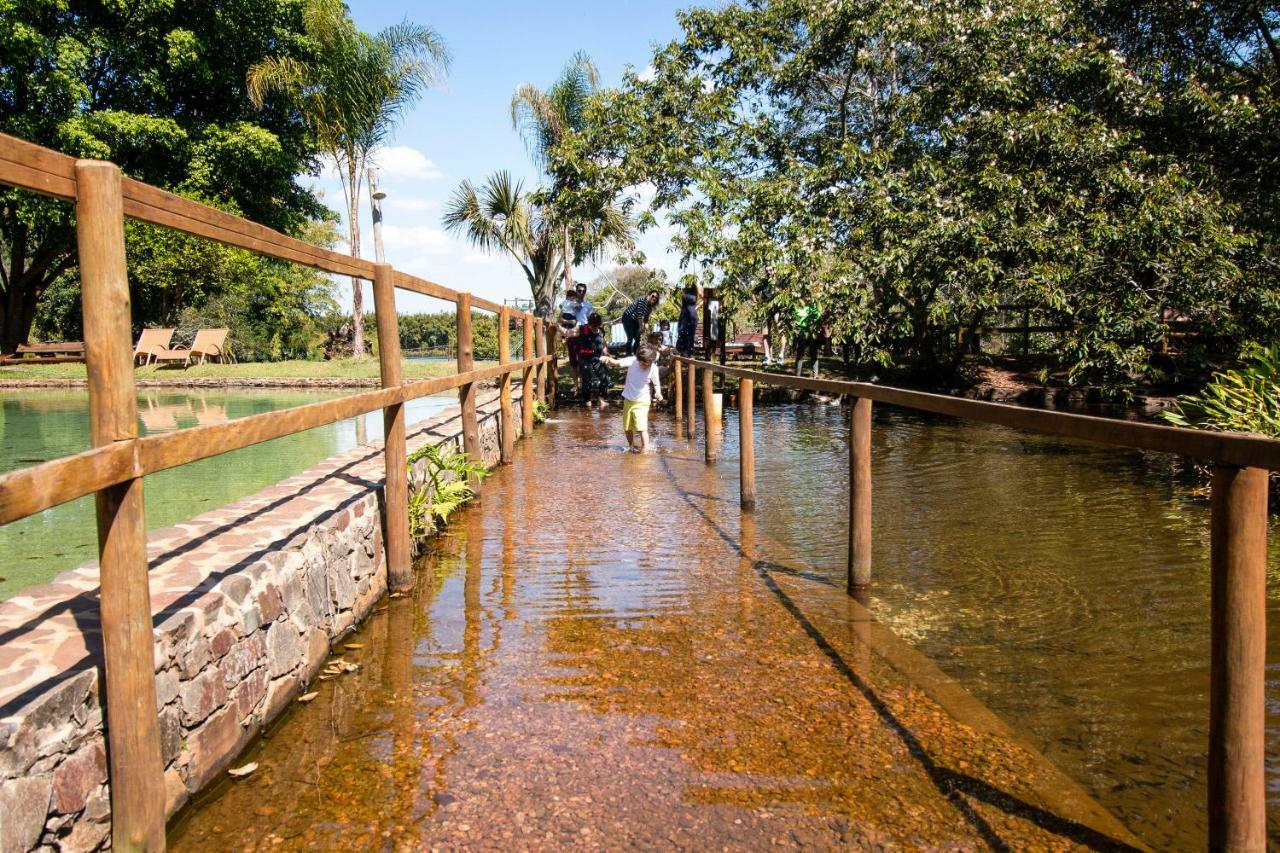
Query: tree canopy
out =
(159, 88)
(905, 168)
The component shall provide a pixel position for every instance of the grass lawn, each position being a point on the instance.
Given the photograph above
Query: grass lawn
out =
(349, 368)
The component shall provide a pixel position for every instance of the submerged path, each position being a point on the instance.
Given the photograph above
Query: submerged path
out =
(606, 652)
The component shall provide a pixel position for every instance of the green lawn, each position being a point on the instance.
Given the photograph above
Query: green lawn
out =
(350, 368)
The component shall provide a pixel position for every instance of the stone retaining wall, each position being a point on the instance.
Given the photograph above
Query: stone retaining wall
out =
(247, 600)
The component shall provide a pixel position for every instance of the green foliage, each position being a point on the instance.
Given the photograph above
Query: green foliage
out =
(444, 486)
(1242, 400)
(541, 409)
(439, 331)
(905, 168)
(613, 292)
(157, 87)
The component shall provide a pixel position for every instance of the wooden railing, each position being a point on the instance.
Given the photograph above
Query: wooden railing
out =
(114, 469)
(1238, 556)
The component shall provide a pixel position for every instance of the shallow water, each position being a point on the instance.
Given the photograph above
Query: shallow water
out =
(36, 426)
(1063, 584)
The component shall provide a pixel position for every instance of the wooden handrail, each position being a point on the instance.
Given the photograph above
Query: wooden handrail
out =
(42, 170)
(1238, 557)
(28, 491)
(1245, 450)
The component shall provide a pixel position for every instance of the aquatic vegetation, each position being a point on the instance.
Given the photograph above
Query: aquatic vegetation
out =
(540, 411)
(444, 485)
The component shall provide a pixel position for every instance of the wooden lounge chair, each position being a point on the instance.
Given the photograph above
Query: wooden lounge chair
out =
(209, 343)
(151, 343)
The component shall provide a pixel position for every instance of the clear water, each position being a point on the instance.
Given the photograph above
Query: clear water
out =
(36, 426)
(1064, 584)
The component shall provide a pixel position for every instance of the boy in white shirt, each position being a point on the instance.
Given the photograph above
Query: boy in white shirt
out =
(642, 371)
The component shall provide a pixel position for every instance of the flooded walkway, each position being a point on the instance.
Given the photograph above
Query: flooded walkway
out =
(607, 653)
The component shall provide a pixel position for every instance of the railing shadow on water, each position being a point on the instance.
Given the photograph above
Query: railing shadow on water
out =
(951, 784)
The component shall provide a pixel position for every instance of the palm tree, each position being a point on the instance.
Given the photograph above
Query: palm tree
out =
(352, 93)
(546, 118)
(501, 217)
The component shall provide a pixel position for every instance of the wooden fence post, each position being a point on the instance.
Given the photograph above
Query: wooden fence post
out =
(677, 396)
(1238, 660)
(708, 415)
(540, 349)
(747, 452)
(133, 734)
(552, 333)
(859, 571)
(396, 494)
(506, 427)
(467, 393)
(526, 398)
(690, 401)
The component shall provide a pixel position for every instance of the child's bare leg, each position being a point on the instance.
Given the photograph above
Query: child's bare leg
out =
(630, 439)
(644, 440)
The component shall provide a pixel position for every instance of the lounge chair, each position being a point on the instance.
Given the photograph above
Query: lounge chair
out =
(209, 343)
(151, 343)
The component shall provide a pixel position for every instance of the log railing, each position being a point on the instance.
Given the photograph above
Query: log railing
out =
(115, 468)
(1238, 556)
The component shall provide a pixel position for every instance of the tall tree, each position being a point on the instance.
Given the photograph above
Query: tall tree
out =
(352, 90)
(545, 119)
(158, 88)
(501, 217)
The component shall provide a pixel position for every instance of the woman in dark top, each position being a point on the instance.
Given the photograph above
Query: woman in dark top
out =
(595, 376)
(636, 318)
(688, 325)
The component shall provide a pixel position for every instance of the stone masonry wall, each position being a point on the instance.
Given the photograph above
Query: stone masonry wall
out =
(247, 600)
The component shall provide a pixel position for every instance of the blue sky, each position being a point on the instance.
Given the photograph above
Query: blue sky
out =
(463, 130)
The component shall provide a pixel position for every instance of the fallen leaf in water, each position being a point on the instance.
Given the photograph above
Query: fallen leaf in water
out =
(241, 772)
(396, 595)
(348, 667)
(307, 697)
(354, 646)
(325, 678)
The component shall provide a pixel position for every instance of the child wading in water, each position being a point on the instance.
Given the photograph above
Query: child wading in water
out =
(642, 371)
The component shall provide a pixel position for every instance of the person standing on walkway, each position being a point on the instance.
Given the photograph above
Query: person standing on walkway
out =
(687, 328)
(591, 348)
(636, 319)
(642, 373)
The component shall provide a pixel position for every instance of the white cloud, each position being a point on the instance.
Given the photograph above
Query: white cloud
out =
(478, 259)
(647, 74)
(415, 204)
(405, 163)
(422, 239)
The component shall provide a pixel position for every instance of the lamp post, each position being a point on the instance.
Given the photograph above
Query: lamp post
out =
(375, 203)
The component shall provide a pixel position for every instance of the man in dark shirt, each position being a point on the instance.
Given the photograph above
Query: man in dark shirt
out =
(636, 318)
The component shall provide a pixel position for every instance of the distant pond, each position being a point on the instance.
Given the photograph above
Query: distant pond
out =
(39, 425)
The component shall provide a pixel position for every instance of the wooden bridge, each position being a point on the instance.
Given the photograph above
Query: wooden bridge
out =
(115, 468)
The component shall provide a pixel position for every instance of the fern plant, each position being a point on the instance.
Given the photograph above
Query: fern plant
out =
(445, 485)
(540, 411)
(1244, 400)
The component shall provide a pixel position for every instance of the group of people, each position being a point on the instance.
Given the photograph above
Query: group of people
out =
(590, 361)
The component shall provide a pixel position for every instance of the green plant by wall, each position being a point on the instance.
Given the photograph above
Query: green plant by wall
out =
(444, 486)
(1243, 400)
(540, 411)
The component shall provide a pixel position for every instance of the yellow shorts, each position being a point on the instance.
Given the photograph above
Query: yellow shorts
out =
(635, 415)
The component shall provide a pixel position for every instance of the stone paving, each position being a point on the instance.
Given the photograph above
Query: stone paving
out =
(246, 599)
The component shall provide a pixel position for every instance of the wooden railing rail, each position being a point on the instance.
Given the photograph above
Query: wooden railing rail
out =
(114, 470)
(1238, 553)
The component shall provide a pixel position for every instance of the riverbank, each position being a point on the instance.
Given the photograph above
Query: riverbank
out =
(339, 373)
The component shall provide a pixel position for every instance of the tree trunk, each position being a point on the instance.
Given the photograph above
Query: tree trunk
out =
(357, 284)
(29, 275)
(568, 263)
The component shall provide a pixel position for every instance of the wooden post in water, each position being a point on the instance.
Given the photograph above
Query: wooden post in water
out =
(399, 562)
(526, 398)
(859, 573)
(708, 414)
(552, 333)
(1238, 660)
(677, 396)
(507, 444)
(467, 393)
(690, 401)
(133, 734)
(540, 347)
(747, 451)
